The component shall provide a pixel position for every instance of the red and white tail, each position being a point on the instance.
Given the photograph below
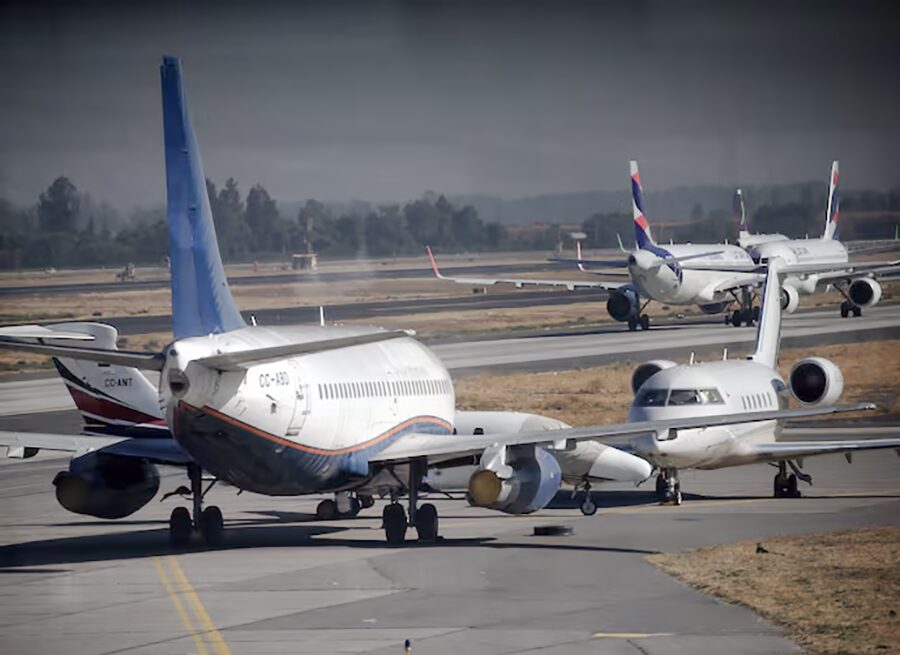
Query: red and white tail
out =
(833, 211)
(108, 395)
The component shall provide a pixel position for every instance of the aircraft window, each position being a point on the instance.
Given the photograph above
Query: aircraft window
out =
(679, 397)
(652, 398)
(711, 397)
(369, 391)
(320, 392)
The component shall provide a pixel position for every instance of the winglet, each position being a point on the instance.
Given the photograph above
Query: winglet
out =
(768, 332)
(434, 266)
(740, 212)
(642, 235)
(833, 210)
(201, 301)
(580, 257)
(621, 245)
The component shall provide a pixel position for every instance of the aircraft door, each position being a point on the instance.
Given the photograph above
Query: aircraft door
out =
(301, 401)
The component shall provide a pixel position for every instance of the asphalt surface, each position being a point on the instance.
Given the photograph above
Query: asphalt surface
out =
(284, 583)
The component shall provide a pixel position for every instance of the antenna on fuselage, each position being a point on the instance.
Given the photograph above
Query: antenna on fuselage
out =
(691, 363)
(724, 354)
(322, 315)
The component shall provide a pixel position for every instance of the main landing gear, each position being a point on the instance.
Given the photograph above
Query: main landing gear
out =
(668, 487)
(639, 319)
(848, 308)
(208, 522)
(747, 313)
(344, 505)
(424, 519)
(587, 507)
(785, 485)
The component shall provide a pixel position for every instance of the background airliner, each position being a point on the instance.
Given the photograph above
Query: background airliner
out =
(295, 410)
(812, 261)
(711, 276)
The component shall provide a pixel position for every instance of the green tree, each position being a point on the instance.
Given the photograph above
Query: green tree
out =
(59, 206)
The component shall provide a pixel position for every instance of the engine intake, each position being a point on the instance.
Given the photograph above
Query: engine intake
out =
(646, 371)
(106, 486)
(790, 299)
(816, 381)
(864, 292)
(534, 481)
(622, 303)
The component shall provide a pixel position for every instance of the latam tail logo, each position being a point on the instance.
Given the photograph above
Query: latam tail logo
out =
(642, 235)
(834, 204)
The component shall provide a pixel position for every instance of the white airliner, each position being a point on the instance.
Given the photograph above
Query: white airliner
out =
(712, 276)
(298, 410)
(666, 391)
(810, 262)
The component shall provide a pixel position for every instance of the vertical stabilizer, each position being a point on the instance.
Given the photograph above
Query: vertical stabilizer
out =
(740, 213)
(642, 235)
(768, 332)
(833, 210)
(201, 301)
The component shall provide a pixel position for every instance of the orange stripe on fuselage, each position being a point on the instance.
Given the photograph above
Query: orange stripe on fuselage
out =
(309, 449)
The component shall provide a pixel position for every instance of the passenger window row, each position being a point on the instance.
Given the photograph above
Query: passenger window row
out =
(384, 389)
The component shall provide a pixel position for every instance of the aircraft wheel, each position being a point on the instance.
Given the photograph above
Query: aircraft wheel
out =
(180, 527)
(355, 506)
(755, 313)
(366, 501)
(427, 522)
(326, 510)
(677, 498)
(394, 524)
(661, 489)
(736, 318)
(792, 490)
(588, 508)
(212, 526)
(845, 309)
(632, 324)
(645, 322)
(857, 311)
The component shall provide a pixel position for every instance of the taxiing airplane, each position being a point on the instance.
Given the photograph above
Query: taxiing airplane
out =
(297, 410)
(667, 391)
(711, 276)
(809, 262)
(746, 239)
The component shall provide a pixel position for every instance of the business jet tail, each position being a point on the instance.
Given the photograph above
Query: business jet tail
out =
(768, 332)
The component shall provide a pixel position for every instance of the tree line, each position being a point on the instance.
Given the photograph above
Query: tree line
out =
(68, 228)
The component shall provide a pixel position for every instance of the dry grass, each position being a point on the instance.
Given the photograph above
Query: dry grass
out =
(602, 394)
(835, 593)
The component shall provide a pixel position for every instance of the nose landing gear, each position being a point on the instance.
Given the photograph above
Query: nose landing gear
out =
(208, 522)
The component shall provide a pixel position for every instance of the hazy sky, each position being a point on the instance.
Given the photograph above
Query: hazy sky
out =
(382, 101)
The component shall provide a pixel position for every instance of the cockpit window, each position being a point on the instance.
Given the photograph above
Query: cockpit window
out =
(651, 398)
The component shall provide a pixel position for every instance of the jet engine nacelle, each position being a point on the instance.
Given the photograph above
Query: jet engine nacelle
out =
(530, 483)
(714, 308)
(816, 381)
(623, 303)
(646, 371)
(790, 299)
(106, 486)
(864, 292)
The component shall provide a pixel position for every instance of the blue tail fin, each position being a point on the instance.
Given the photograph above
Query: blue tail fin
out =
(201, 301)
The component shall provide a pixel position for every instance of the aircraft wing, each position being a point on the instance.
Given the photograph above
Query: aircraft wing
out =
(740, 280)
(160, 451)
(519, 283)
(41, 332)
(437, 447)
(779, 450)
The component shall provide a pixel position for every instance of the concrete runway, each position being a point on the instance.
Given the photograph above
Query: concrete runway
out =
(46, 393)
(286, 584)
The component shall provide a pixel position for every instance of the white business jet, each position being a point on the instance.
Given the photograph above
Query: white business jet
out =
(809, 262)
(711, 276)
(298, 410)
(665, 391)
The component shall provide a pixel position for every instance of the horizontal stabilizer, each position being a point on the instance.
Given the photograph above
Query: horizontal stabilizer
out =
(245, 358)
(144, 361)
(41, 332)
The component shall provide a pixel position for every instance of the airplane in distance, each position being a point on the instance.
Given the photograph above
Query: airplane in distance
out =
(121, 401)
(668, 391)
(826, 260)
(711, 276)
(746, 239)
(294, 410)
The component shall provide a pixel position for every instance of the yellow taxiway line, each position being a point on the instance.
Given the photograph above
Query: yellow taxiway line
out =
(180, 589)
